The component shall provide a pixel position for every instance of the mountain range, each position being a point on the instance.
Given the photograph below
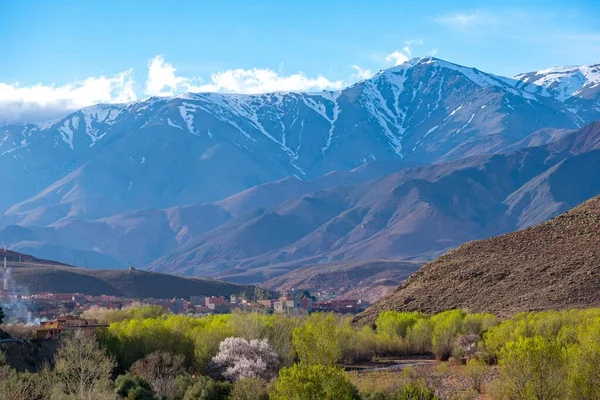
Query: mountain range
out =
(416, 160)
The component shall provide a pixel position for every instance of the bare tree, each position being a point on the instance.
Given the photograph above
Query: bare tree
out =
(160, 369)
(82, 369)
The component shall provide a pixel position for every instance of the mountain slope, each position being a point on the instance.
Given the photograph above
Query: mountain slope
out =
(140, 237)
(196, 148)
(554, 265)
(414, 213)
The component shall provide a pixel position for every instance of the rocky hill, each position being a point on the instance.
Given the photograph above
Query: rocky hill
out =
(554, 265)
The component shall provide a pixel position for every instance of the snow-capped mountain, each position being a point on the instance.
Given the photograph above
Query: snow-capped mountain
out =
(578, 87)
(203, 147)
(563, 83)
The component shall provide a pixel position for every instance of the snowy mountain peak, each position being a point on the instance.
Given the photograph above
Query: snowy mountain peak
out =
(562, 82)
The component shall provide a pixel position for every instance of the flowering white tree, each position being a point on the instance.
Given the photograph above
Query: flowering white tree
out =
(239, 358)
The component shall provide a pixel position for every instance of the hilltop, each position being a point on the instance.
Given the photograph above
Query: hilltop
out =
(554, 265)
(36, 276)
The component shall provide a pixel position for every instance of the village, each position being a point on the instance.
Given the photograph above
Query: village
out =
(58, 312)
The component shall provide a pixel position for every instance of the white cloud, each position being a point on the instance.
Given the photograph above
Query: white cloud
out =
(361, 74)
(432, 52)
(42, 102)
(38, 102)
(262, 80)
(397, 57)
(467, 20)
(162, 80)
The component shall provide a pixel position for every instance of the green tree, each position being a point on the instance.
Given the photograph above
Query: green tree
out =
(316, 341)
(208, 389)
(249, 389)
(584, 368)
(397, 323)
(533, 368)
(446, 328)
(133, 387)
(1, 315)
(419, 336)
(313, 382)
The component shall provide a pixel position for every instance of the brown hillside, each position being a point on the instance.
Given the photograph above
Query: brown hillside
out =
(554, 265)
(31, 275)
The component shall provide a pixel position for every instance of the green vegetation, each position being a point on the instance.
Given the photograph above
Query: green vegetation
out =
(147, 353)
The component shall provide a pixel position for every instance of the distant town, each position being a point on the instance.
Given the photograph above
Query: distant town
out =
(49, 306)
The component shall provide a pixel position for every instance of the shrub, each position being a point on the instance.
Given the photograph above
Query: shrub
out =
(316, 341)
(239, 358)
(397, 323)
(208, 389)
(133, 387)
(446, 328)
(465, 347)
(419, 337)
(476, 370)
(307, 382)
(533, 368)
(477, 324)
(249, 389)
(414, 391)
(584, 367)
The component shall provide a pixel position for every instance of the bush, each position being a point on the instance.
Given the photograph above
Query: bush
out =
(446, 328)
(302, 382)
(533, 368)
(465, 347)
(249, 389)
(477, 324)
(238, 359)
(397, 323)
(476, 370)
(414, 391)
(584, 367)
(133, 387)
(419, 337)
(316, 341)
(208, 389)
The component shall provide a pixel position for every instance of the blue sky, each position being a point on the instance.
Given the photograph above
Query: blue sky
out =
(69, 53)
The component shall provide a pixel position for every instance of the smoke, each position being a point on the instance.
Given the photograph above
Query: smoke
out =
(15, 310)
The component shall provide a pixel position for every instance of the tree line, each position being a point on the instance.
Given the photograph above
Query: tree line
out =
(148, 353)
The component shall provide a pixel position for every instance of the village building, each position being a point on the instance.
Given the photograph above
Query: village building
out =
(53, 329)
